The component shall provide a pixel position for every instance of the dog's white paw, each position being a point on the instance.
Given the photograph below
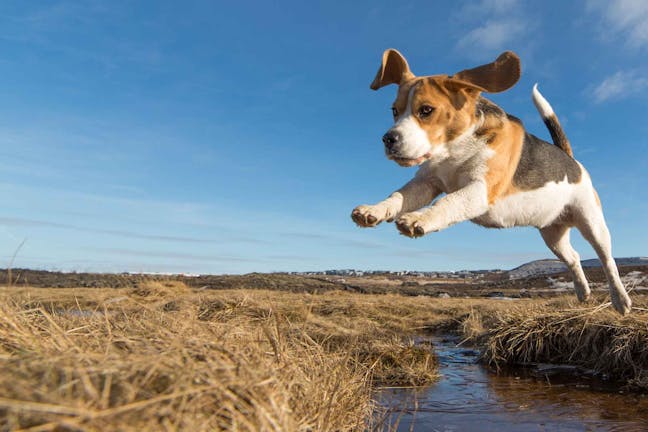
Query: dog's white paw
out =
(369, 216)
(412, 225)
(621, 301)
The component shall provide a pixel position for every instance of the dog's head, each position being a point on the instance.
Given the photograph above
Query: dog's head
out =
(431, 112)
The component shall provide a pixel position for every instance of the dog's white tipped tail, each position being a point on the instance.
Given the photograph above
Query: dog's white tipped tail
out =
(551, 121)
(541, 103)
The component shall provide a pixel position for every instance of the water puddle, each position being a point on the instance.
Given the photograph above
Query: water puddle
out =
(470, 397)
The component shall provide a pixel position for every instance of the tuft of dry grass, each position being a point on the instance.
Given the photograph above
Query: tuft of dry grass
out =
(561, 332)
(150, 289)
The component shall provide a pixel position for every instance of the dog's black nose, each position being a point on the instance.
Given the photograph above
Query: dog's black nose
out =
(390, 139)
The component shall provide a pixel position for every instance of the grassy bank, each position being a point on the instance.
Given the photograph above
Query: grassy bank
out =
(594, 338)
(161, 356)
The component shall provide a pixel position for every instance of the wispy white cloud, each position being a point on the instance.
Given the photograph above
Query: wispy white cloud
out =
(493, 35)
(33, 223)
(620, 85)
(174, 255)
(337, 240)
(625, 19)
(42, 26)
(489, 6)
(506, 25)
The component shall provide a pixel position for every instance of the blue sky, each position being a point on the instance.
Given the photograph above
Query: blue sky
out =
(231, 137)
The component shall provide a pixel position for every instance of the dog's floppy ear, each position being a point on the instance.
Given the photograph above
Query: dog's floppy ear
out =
(393, 70)
(494, 77)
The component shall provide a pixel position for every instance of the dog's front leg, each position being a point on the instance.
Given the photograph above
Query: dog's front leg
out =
(417, 193)
(465, 204)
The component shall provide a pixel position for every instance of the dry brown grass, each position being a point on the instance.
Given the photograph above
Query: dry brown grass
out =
(164, 357)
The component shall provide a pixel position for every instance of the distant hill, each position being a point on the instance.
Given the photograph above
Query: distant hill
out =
(272, 281)
(551, 266)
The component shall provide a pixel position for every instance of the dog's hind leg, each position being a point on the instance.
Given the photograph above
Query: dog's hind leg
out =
(591, 224)
(557, 239)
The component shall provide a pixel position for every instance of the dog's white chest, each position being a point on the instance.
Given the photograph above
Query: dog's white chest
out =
(538, 207)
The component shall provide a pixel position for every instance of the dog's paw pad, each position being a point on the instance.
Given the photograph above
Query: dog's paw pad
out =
(410, 226)
(366, 216)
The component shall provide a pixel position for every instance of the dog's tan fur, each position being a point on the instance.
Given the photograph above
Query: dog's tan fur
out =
(507, 147)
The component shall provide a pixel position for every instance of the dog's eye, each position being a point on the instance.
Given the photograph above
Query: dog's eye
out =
(394, 112)
(425, 110)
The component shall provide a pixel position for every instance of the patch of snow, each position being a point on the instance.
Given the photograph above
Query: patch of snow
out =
(559, 285)
(551, 266)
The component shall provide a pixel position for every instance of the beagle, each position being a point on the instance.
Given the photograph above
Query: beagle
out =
(491, 170)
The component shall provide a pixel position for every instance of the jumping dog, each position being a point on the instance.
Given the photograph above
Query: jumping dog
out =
(491, 170)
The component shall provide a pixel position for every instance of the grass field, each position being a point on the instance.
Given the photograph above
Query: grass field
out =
(162, 356)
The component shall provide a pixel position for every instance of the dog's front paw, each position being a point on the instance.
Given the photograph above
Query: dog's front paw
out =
(368, 216)
(412, 225)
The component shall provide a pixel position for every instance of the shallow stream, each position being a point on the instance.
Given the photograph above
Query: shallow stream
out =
(470, 397)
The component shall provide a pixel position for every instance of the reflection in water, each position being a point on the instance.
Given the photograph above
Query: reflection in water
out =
(468, 397)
